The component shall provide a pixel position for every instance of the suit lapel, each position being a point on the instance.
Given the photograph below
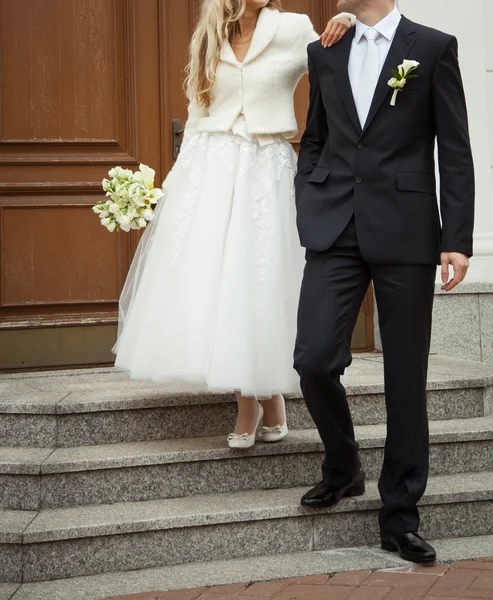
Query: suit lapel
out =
(401, 48)
(341, 52)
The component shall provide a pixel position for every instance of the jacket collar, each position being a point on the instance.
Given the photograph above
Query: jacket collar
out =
(267, 26)
(386, 28)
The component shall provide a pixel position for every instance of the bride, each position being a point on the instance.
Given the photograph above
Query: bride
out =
(211, 298)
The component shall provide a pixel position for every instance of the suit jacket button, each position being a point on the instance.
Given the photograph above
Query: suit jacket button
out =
(360, 146)
(359, 180)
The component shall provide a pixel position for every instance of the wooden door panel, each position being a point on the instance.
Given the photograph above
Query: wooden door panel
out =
(61, 80)
(83, 96)
(36, 272)
(67, 66)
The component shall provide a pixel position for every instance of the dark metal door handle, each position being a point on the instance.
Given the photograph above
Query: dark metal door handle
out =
(177, 139)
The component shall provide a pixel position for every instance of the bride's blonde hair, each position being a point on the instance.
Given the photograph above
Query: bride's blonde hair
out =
(219, 21)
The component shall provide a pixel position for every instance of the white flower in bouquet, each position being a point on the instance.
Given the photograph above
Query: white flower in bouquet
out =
(155, 195)
(132, 213)
(109, 224)
(130, 199)
(148, 214)
(124, 221)
(148, 175)
(121, 191)
(138, 177)
(134, 189)
(123, 173)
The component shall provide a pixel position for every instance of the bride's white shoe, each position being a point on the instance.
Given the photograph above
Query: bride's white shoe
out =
(276, 433)
(246, 440)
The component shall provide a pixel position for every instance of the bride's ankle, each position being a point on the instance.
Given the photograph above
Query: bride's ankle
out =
(274, 411)
(246, 421)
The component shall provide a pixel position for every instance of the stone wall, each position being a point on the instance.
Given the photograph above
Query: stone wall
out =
(462, 323)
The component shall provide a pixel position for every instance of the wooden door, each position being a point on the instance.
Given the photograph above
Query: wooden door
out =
(80, 93)
(86, 85)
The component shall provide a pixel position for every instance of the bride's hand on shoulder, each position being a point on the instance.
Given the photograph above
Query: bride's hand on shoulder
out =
(336, 29)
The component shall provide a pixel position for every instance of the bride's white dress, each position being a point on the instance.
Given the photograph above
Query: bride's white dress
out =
(210, 303)
(211, 299)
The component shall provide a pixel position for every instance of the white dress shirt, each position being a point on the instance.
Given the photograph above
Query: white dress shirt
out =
(386, 28)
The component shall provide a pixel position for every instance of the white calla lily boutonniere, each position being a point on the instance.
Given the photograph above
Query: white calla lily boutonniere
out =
(400, 77)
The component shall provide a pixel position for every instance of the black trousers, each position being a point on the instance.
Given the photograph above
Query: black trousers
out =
(334, 285)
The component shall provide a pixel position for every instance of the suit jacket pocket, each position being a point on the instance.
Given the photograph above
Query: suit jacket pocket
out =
(416, 182)
(319, 175)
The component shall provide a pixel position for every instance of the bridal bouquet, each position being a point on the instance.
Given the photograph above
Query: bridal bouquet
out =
(130, 199)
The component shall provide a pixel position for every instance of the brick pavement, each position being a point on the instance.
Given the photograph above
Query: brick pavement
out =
(459, 581)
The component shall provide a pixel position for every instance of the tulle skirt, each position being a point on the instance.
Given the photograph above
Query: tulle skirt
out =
(211, 299)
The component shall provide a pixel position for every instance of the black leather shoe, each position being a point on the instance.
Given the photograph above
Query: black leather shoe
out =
(410, 546)
(322, 496)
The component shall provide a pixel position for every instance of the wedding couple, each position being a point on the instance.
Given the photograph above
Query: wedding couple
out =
(211, 299)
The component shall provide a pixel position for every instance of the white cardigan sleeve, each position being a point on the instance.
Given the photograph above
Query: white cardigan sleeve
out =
(309, 35)
(345, 15)
(195, 113)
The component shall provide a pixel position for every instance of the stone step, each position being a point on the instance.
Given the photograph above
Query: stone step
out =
(38, 478)
(240, 570)
(97, 406)
(72, 542)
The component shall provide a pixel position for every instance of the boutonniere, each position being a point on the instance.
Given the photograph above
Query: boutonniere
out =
(401, 77)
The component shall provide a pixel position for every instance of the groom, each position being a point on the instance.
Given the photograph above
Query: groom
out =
(368, 212)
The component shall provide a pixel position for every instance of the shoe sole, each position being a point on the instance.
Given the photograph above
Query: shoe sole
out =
(241, 447)
(389, 546)
(279, 439)
(352, 492)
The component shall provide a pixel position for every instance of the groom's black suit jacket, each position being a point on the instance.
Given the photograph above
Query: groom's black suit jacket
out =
(384, 175)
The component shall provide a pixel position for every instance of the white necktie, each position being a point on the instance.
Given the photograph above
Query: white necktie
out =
(370, 73)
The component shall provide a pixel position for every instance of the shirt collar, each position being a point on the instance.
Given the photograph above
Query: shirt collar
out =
(386, 27)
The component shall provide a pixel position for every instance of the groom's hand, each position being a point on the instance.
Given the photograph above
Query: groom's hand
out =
(460, 264)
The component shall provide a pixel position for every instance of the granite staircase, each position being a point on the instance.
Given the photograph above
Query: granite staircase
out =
(100, 474)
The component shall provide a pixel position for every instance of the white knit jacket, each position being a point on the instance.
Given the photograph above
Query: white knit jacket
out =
(262, 87)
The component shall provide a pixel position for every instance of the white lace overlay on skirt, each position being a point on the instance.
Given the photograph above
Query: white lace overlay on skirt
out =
(211, 299)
